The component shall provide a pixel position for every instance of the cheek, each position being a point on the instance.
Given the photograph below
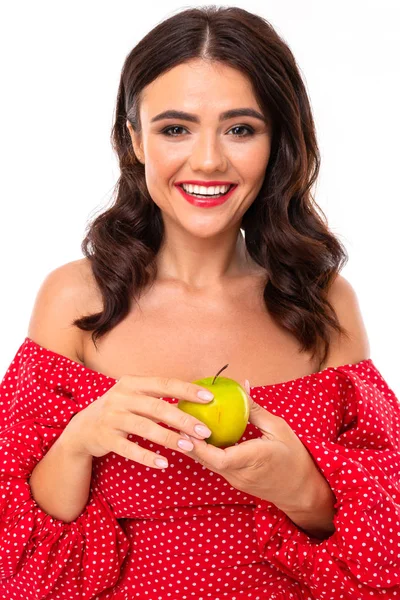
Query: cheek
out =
(252, 170)
(160, 172)
(253, 163)
(161, 163)
(261, 162)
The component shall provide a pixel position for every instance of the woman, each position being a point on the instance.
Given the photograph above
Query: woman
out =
(306, 504)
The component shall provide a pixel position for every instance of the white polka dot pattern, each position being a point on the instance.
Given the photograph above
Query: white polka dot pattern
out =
(361, 559)
(184, 531)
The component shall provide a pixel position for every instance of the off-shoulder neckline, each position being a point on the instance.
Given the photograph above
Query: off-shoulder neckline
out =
(256, 387)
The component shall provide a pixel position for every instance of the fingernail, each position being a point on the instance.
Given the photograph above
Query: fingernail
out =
(204, 395)
(202, 430)
(185, 445)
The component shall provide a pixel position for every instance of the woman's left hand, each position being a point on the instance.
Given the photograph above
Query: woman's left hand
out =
(275, 467)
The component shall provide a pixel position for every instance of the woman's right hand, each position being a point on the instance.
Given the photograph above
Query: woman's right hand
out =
(133, 406)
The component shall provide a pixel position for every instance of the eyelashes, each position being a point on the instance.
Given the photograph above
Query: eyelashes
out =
(166, 130)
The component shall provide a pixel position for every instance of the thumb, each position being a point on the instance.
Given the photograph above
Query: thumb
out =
(260, 417)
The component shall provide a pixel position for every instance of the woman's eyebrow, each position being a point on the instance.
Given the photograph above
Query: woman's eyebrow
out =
(228, 114)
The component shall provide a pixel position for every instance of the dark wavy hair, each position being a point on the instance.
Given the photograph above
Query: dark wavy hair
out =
(283, 231)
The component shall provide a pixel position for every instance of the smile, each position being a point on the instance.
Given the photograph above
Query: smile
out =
(206, 200)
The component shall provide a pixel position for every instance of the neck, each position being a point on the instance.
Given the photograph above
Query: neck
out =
(202, 263)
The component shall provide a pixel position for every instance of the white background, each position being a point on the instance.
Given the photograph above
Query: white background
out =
(60, 68)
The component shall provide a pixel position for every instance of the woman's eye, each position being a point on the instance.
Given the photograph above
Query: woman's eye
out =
(249, 130)
(167, 131)
(164, 131)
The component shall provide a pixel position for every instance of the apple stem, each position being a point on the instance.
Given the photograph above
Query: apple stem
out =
(220, 371)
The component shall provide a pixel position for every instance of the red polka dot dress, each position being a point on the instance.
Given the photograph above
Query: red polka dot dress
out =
(184, 532)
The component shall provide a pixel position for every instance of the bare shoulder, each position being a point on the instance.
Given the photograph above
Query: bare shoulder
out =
(354, 348)
(66, 293)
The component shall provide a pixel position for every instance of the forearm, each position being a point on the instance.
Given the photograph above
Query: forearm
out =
(60, 482)
(315, 515)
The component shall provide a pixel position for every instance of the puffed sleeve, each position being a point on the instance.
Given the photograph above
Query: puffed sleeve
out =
(42, 557)
(361, 559)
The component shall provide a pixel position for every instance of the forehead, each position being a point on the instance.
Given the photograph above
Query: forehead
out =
(199, 86)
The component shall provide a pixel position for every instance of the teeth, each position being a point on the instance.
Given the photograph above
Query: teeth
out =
(205, 190)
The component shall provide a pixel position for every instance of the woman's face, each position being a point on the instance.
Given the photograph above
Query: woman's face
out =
(235, 150)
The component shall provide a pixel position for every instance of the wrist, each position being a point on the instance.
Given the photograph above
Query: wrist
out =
(69, 440)
(315, 512)
(314, 492)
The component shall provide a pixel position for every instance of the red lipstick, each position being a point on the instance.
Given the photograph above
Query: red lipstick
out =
(206, 202)
(206, 183)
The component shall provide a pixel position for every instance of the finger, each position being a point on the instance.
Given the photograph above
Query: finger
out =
(233, 458)
(160, 411)
(132, 451)
(263, 419)
(133, 424)
(211, 456)
(165, 387)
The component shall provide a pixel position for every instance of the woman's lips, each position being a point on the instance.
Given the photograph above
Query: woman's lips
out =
(206, 202)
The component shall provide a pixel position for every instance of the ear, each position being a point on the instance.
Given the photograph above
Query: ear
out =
(136, 142)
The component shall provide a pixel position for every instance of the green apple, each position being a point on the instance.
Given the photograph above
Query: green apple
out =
(226, 415)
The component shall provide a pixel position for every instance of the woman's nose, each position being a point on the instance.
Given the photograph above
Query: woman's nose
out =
(208, 155)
